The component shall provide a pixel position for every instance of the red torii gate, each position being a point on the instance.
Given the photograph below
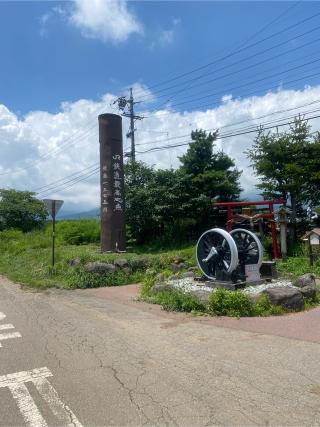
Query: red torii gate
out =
(270, 216)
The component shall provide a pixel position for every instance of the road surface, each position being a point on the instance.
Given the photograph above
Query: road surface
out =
(96, 358)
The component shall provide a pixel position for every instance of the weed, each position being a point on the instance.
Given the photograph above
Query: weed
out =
(263, 307)
(178, 301)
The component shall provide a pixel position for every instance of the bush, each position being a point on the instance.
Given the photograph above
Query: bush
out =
(178, 301)
(79, 232)
(230, 303)
(263, 307)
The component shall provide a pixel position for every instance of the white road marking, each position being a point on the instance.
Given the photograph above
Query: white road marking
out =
(4, 327)
(7, 326)
(9, 335)
(60, 410)
(26, 405)
(28, 409)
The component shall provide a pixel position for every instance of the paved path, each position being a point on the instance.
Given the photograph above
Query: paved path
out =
(96, 358)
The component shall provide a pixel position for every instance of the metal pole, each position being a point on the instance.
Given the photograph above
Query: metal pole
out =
(133, 148)
(53, 231)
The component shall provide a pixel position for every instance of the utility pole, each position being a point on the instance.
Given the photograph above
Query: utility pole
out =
(127, 107)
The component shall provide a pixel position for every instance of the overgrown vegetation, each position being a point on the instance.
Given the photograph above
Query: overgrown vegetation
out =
(221, 303)
(21, 210)
(177, 204)
(279, 160)
(26, 257)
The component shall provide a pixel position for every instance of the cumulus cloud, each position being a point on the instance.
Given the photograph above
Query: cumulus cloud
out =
(107, 20)
(43, 147)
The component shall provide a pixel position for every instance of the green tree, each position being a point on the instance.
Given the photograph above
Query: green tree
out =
(176, 204)
(21, 210)
(287, 165)
(139, 207)
(208, 175)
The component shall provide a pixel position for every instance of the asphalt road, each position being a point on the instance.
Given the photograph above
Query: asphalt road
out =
(75, 358)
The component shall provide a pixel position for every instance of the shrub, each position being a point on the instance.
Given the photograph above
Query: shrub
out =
(263, 307)
(179, 301)
(230, 303)
(79, 232)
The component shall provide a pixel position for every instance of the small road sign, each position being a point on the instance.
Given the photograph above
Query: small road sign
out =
(53, 207)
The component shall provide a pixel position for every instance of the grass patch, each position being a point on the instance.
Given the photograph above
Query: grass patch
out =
(296, 266)
(222, 302)
(26, 258)
(230, 303)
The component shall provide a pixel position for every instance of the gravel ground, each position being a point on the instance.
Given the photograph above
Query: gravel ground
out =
(188, 284)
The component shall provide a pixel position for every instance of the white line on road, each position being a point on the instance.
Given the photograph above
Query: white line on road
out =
(26, 405)
(8, 335)
(4, 327)
(28, 409)
(60, 410)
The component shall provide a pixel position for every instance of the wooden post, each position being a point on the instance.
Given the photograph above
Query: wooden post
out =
(310, 250)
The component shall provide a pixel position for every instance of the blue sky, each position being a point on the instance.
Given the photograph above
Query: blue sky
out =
(208, 64)
(47, 60)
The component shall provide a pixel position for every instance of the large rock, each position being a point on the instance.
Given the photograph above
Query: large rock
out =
(309, 292)
(307, 279)
(188, 274)
(121, 263)
(255, 297)
(177, 267)
(162, 287)
(99, 267)
(75, 262)
(202, 294)
(290, 298)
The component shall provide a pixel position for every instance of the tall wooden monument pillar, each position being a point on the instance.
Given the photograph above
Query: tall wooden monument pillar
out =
(113, 232)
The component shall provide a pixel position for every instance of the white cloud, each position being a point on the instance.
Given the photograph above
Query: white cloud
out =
(43, 23)
(71, 135)
(166, 37)
(107, 20)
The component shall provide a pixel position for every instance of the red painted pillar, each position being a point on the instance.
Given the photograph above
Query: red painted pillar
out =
(230, 218)
(273, 232)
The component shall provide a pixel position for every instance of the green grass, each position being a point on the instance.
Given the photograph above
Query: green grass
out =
(26, 258)
(296, 266)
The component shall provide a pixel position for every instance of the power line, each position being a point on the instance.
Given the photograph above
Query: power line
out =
(236, 123)
(154, 149)
(85, 177)
(255, 92)
(233, 53)
(189, 87)
(67, 143)
(62, 180)
(123, 102)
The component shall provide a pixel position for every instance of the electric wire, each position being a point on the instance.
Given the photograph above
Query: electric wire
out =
(232, 53)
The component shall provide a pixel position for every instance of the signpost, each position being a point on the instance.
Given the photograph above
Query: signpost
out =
(53, 207)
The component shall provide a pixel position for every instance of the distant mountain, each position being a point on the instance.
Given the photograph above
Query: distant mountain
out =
(93, 213)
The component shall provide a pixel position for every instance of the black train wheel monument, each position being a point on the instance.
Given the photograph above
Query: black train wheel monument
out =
(233, 260)
(233, 257)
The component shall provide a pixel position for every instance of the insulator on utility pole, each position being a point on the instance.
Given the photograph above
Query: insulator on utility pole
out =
(129, 103)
